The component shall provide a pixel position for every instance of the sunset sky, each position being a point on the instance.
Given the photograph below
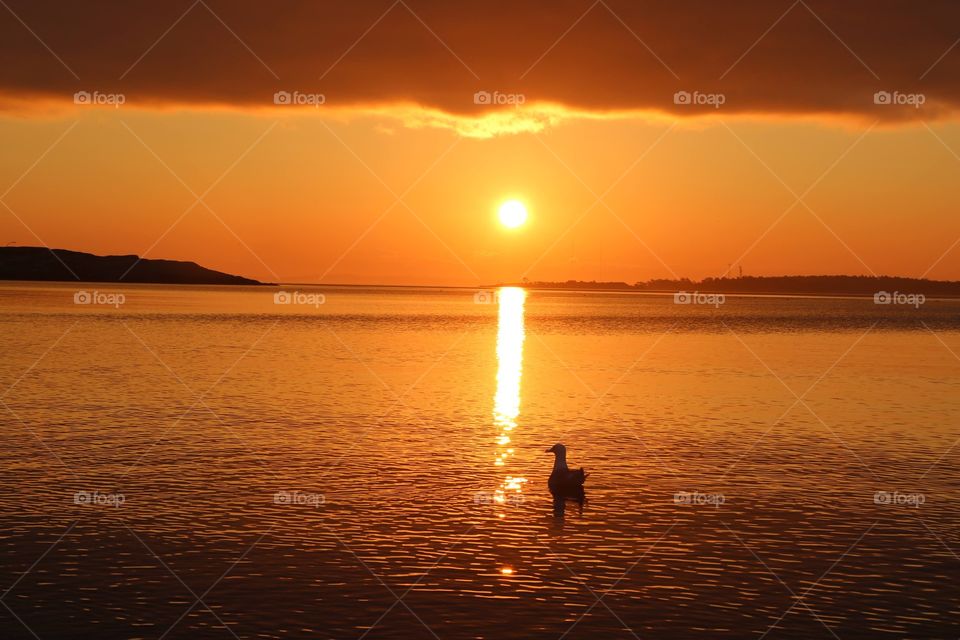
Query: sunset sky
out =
(396, 178)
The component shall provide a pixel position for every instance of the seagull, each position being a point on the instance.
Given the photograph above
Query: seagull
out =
(564, 481)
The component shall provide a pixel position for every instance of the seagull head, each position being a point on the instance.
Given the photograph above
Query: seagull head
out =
(557, 449)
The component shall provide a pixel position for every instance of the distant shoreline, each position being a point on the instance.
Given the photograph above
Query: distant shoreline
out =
(529, 287)
(42, 264)
(819, 286)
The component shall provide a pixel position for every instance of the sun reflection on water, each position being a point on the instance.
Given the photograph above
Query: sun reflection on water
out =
(506, 402)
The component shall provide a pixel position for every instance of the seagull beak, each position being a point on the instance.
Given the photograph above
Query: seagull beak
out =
(550, 450)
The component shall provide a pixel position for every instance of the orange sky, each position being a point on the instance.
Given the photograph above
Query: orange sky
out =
(314, 194)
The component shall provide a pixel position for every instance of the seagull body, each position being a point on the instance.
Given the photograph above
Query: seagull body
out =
(565, 481)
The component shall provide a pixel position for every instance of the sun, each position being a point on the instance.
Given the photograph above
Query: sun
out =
(513, 214)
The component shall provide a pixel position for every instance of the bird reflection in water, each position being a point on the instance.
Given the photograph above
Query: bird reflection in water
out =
(560, 503)
(506, 402)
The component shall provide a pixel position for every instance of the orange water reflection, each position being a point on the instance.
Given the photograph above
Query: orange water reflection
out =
(506, 402)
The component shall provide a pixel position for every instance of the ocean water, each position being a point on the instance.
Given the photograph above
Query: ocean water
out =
(193, 462)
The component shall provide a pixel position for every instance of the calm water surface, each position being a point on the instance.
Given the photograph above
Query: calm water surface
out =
(203, 462)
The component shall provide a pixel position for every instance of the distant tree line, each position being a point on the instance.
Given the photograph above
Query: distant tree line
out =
(798, 285)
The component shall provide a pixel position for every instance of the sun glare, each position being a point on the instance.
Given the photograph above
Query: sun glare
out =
(513, 214)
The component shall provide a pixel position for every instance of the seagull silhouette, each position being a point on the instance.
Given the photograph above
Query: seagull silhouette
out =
(564, 481)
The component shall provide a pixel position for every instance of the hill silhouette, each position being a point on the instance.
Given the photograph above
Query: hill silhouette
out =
(41, 263)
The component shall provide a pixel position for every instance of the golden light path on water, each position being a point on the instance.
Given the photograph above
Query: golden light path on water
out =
(506, 402)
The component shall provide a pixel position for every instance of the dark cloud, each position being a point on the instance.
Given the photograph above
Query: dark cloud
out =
(763, 56)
